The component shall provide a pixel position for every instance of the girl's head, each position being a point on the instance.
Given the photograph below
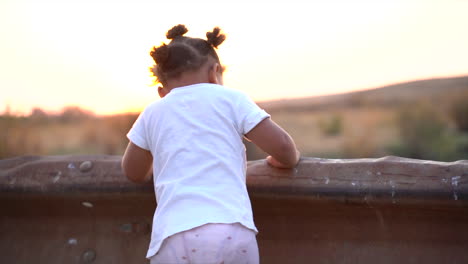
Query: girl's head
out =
(193, 58)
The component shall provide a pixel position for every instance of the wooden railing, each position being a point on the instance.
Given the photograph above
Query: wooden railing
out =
(81, 209)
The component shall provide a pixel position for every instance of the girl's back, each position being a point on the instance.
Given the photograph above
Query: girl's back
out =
(196, 134)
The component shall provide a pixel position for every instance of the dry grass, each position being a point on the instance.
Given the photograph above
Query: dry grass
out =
(364, 132)
(51, 136)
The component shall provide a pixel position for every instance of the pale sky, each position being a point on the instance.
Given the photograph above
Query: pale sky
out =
(95, 53)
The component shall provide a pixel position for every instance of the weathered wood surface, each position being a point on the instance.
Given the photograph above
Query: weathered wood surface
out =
(388, 178)
(81, 209)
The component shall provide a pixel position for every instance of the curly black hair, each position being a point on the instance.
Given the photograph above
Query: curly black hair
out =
(183, 53)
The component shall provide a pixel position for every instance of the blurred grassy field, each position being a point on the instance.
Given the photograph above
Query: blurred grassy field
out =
(56, 135)
(422, 119)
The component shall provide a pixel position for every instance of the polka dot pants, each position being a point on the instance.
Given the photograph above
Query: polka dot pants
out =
(210, 244)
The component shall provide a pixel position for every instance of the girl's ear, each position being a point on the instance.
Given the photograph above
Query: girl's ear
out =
(162, 92)
(215, 74)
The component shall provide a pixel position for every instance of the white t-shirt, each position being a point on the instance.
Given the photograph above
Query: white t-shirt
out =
(199, 166)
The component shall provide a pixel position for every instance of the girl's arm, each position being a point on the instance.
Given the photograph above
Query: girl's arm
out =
(272, 139)
(137, 163)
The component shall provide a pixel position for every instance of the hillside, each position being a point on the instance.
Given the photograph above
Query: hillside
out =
(395, 95)
(370, 123)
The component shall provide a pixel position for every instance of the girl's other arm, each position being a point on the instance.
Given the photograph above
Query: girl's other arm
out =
(137, 163)
(272, 139)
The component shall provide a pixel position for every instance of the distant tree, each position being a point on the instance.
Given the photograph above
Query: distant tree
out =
(38, 113)
(7, 111)
(74, 113)
(333, 126)
(459, 112)
(425, 135)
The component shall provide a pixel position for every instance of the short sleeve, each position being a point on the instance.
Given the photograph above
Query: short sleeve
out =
(138, 133)
(249, 114)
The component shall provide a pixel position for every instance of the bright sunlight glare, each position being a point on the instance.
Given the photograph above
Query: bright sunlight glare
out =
(95, 54)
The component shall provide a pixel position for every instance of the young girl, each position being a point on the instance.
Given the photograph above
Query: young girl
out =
(191, 142)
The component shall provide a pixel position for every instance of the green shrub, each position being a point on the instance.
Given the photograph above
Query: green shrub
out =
(424, 135)
(333, 126)
(459, 112)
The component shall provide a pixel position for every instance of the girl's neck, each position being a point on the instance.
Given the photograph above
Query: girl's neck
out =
(185, 82)
(188, 78)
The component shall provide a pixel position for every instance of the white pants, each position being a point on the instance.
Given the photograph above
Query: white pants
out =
(210, 244)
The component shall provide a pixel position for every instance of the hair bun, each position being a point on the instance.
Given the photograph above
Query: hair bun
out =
(214, 38)
(176, 31)
(160, 54)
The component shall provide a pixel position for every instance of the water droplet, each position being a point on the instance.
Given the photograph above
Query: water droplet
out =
(57, 177)
(73, 241)
(89, 256)
(86, 166)
(87, 204)
(455, 180)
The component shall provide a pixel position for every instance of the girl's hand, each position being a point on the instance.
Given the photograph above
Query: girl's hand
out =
(275, 163)
(272, 139)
